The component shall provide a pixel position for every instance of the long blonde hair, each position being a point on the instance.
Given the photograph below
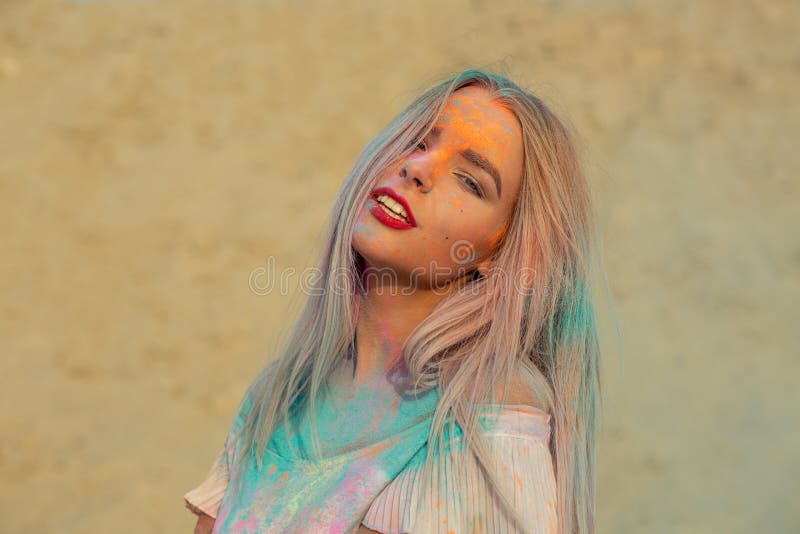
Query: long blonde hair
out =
(474, 342)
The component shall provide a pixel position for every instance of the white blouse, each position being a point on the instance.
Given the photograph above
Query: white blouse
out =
(518, 437)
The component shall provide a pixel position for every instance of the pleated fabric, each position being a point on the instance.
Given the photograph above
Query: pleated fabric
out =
(518, 438)
(206, 497)
(379, 485)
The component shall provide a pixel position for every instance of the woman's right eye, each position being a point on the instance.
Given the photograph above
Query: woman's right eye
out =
(421, 145)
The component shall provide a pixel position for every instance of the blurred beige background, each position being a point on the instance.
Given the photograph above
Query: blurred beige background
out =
(154, 154)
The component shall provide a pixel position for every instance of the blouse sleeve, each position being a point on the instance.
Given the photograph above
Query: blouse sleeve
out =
(523, 458)
(207, 497)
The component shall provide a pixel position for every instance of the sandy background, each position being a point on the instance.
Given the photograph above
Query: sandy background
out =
(153, 155)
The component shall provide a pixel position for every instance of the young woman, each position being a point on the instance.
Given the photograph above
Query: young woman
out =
(448, 355)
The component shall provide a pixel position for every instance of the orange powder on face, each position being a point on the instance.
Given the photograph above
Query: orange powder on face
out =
(494, 239)
(479, 128)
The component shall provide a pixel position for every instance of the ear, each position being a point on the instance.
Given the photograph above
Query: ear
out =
(483, 266)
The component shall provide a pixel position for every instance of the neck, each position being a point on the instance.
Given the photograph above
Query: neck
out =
(385, 320)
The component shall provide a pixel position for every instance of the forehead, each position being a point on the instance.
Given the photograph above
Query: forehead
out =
(472, 114)
(473, 119)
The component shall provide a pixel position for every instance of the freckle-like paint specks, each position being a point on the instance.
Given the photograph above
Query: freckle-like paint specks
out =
(368, 433)
(362, 228)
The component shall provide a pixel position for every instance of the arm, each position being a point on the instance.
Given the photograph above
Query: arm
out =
(205, 523)
(363, 530)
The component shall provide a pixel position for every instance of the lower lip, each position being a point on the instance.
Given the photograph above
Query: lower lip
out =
(376, 209)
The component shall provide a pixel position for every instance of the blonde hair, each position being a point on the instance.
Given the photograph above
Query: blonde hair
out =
(474, 342)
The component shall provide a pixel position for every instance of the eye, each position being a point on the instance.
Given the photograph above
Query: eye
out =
(472, 184)
(419, 146)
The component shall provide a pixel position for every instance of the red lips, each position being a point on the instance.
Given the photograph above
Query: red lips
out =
(387, 219)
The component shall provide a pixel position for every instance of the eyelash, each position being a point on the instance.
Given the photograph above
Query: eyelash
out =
(477, 190)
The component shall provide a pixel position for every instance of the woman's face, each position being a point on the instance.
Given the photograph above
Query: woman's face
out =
(459, 185)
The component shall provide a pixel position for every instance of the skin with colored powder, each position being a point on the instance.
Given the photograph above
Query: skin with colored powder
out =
(431, 388)
(433, 180)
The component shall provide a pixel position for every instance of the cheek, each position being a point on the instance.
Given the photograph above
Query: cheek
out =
(494, 238)
(464, 238)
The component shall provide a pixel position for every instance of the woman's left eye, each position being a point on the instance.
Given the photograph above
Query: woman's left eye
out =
(472, 184)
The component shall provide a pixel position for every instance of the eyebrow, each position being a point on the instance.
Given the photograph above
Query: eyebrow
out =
(478, 160)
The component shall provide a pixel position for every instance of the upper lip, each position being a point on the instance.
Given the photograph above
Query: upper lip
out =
(395, 196)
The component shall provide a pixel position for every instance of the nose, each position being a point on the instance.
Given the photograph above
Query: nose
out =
(418, 172)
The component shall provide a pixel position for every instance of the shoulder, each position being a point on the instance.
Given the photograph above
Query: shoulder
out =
(518, 453)
(519, 391)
